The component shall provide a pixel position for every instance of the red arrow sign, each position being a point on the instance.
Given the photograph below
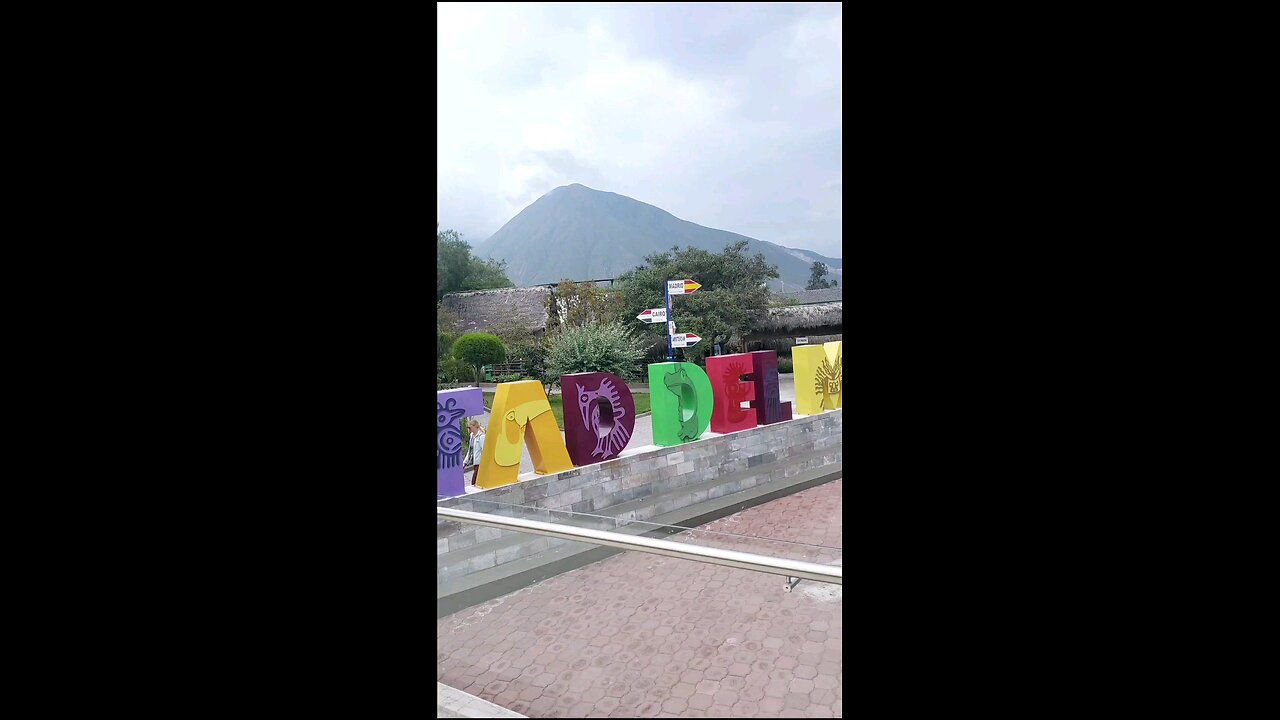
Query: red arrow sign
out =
(653, 315)
(679, 340)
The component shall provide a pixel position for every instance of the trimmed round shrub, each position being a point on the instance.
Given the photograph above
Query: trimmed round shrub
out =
(479, 349)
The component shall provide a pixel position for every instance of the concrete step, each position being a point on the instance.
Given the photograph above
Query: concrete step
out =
(663, 496)
(494, 547)
(483, 585)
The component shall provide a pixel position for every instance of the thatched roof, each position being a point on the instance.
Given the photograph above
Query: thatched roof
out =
(810, 297)
(482, 310)
(801, 319)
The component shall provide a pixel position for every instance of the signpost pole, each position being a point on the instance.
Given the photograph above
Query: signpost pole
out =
(666, 294)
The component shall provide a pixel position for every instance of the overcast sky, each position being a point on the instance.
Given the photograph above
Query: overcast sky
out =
(724, 115)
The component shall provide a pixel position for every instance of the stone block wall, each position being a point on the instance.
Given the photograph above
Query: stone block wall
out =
(637, 487)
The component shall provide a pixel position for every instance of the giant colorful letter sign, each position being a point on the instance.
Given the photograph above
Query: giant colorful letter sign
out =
(729, 391)
(681, 400)
(451, 405)
(599, 416)
(520, 412)
(764, 376)
(818, 377)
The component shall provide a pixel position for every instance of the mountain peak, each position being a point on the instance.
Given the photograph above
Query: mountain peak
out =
(581, 233)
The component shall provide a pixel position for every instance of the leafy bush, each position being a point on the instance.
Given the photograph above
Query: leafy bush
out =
(596, 347)
(513, 377)
(478, 349)
(444, 343)
(785, 365)
(521, 346)
(453, 370)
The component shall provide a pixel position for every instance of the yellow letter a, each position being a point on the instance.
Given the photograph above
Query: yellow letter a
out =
(521, 412)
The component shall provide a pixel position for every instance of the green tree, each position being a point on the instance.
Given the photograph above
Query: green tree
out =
(486, 274)
(523, 347)
(817, 277)
(594, 347)
(577, 304)
(733, 293)
(477, 349)
(458, 271)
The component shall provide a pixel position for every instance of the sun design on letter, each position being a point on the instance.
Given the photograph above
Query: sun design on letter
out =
(828, 379)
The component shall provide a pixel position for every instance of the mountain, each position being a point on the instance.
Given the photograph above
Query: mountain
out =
(583, 234)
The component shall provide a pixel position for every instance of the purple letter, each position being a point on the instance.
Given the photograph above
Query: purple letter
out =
(451, 405)
(599, 416)
(767, 402)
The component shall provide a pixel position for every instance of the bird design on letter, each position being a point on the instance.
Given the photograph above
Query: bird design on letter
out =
(612, 442)
(448, 436)
(506, 449)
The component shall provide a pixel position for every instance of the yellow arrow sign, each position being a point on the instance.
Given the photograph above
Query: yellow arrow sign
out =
(690, 286)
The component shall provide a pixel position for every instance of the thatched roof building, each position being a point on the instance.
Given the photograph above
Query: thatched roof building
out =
(819, 317)
(823, 319)
(482, 310)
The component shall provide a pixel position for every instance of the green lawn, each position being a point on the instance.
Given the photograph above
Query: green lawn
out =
(557, 406)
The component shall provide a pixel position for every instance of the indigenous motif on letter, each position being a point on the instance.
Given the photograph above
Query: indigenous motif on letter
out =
(677, 382)
(612, 442)
(827, 379)
(736, 391)
(448, 436)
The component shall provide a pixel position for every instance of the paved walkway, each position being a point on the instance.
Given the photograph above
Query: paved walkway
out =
(640, 635)
(643, 434)
(453, 703)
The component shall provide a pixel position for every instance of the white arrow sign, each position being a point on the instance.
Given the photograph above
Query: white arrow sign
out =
(684, 340)
(681, 287)
(653, 315)
(671, 327)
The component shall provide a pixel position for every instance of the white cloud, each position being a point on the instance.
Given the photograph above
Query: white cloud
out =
(533, 97)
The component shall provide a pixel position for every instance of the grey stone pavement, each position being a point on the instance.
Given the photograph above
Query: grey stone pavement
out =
(643, 434)
(641, 635)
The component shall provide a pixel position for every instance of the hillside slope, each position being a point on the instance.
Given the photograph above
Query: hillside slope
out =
(583, 234)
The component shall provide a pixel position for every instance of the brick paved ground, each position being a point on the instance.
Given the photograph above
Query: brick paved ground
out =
(641, 635)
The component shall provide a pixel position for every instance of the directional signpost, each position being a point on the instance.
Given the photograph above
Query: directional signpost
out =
(684, 340)
(676, 287)
(653, 315)
(681, 287)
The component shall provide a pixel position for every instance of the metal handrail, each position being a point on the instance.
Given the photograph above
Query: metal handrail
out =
(714, 556)
(639, 522)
